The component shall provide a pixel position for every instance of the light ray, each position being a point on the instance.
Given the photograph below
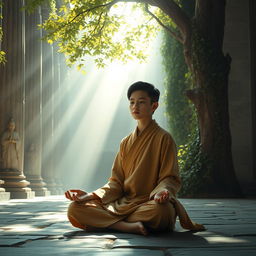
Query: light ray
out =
(91, 137)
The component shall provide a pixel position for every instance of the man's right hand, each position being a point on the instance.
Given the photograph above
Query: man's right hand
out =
(74, 194)
(79, 195)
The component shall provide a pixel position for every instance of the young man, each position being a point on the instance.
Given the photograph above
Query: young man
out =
(140, 194)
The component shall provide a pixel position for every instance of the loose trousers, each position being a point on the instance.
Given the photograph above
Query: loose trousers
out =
(93, 214)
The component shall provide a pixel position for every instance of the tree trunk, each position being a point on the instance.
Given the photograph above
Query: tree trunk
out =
(210, 96)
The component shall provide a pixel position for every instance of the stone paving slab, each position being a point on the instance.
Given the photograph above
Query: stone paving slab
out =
(112, 235)
(184, 240)
(212, 252)
(104, 243)
(224, 221)
(40, 227)
(78, 252)
(235, 230)
(14, 240)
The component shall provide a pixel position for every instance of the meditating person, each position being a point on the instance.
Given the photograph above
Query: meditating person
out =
(140, 195)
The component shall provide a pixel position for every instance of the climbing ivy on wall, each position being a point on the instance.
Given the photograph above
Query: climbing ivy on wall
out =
(179, 110)
(195, 167)
(2, 53)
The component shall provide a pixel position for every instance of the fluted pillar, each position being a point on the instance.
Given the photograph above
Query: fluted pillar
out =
(12, 103)
(48, 172)
(57, 130)
(64, 117)
(33, 107)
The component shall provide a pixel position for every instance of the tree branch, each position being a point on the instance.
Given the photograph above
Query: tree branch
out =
(175, 35)
(109, 4)
(170, 8)
(178, 16)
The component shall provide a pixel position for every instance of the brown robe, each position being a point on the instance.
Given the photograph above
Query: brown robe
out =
(145, 165)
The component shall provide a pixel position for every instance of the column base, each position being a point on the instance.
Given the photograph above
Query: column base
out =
(51, 185)
(42, 192)
(15, 183)
(4, 196)
(59, 188)
(61, 191)
(54, 192)
(22, 194)
(38, 185)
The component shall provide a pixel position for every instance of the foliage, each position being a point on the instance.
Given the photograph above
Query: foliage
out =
(195, 167)
(2, 53)
(98, 28)
(179, 110)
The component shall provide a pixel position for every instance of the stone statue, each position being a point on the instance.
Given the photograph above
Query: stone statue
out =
(10, 143)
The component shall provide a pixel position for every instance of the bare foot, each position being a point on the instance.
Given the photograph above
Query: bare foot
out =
(130, 227)
(138, 228)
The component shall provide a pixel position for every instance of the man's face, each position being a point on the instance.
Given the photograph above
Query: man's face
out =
(141, 106)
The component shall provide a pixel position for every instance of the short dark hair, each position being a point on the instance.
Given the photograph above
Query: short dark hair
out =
(150, 89)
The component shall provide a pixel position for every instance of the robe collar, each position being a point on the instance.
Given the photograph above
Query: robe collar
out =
(135, 135)
(137, 142)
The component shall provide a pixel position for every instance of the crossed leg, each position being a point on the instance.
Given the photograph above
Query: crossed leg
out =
(148, 215)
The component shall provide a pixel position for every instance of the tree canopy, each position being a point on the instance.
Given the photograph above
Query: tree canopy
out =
(104, 29)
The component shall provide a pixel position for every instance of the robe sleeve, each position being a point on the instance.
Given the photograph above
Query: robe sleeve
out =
(114, 188)
(168, 177)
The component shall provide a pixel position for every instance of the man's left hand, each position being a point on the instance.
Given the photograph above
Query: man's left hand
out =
(162, 196)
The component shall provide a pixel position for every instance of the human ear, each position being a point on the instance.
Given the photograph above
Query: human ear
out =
(155, 105)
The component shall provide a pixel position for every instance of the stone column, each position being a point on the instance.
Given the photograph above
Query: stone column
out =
(48, 172)
(4, 196)
(12, 103)
(33, 107)
(251, 187)
(64, 117)
(57, 116)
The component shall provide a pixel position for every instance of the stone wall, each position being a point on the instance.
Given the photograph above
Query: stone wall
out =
(237, 44)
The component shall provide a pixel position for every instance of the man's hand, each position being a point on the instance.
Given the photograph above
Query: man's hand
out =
(162, 196)
(76, 195)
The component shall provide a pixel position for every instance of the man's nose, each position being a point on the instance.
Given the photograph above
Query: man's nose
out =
(136, 104)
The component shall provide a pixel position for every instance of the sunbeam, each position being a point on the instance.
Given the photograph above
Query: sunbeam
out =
(98, 118)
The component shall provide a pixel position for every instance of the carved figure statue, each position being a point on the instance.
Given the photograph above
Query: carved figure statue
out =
(10, 143)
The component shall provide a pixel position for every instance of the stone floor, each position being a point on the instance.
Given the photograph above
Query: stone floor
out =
(40, 227)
